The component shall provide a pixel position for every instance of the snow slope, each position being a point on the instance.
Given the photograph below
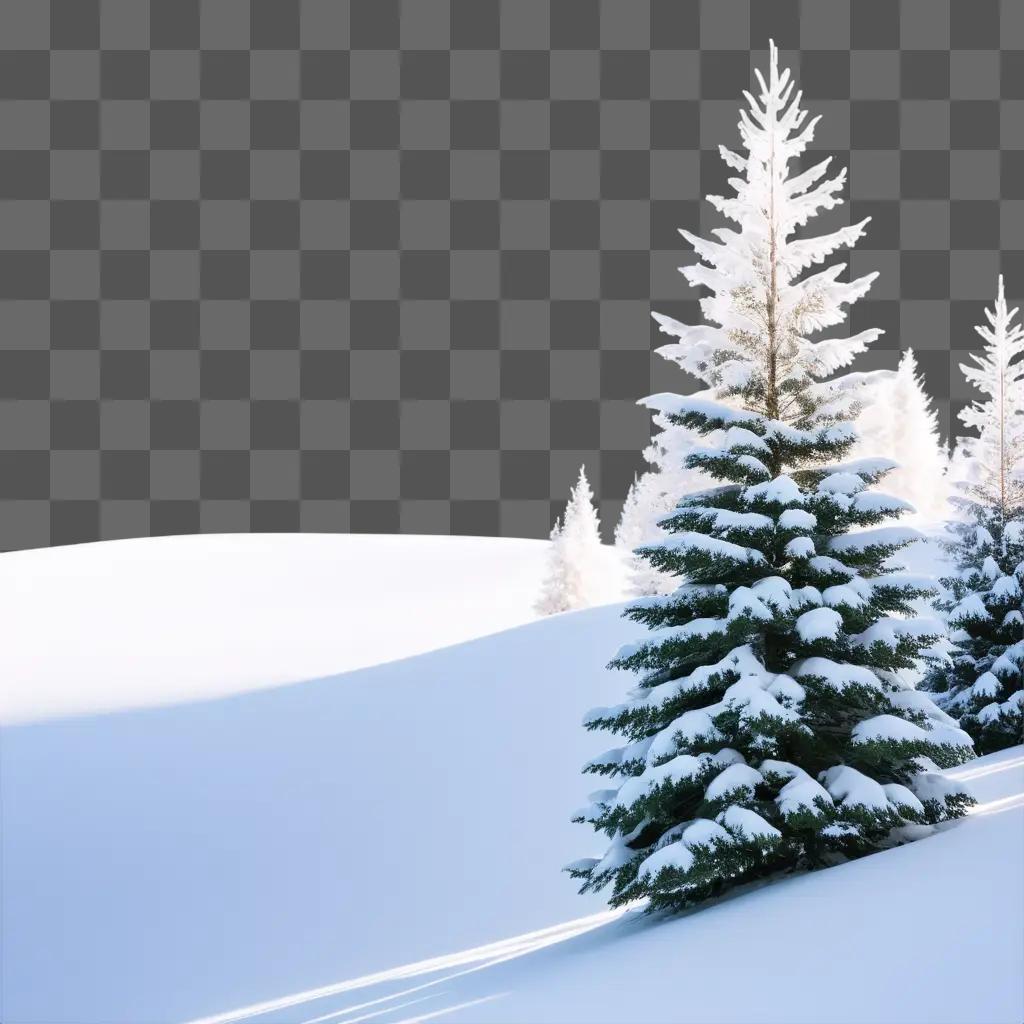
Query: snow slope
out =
(384, 844)
(146, 622)
(894, 937)
(891, 938)
(163, 861)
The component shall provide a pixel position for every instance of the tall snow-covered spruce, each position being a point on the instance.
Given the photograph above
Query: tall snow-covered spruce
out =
(770, 730)
(982, 683)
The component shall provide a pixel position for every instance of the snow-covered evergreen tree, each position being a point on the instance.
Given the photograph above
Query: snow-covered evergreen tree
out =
(983, 680)
(647, 502)
(982, 683)
(628, 530)
(770, 730)
(554, 595)
(994, 460)
(900, 422)
(773, 133)
(577, 569)
(746, 345)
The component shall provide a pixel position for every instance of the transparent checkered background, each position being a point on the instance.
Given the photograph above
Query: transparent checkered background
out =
(380, 266)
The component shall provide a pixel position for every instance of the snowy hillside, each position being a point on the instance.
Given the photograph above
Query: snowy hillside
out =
(878, 940)
(145, 622)
(384, 843)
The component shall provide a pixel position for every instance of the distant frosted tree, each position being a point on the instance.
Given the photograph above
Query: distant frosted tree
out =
(554, 595)
(646, 503)
(983, 681)
(651, 498)
(578, 573)
(993, 462)
(900, 422)
(629, 529)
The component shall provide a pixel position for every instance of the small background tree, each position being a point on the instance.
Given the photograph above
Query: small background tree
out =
(578, 570)
(899, 421)
(650, 499)
(982, 683)
(992, 463)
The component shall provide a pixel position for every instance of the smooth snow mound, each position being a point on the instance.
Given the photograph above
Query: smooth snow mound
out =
(120, 624)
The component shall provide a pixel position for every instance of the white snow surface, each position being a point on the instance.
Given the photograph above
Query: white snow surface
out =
(836, 673)
(801, 793)
(841, 483)
(797, 519)
(783, 490)
(819, 624)
(677, 405)
(144, 622)
(881, 535)
(800, 547)
(851, 787)
(690, 541)
(748, 822)
(889, 631)
(736, 776)
(674, 855)
(299, 853)
(887, 727)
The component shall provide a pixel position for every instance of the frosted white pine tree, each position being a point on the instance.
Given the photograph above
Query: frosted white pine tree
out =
(554, 597)
(629, 531)
(746, 347)
(577, 569)
(725, 351)
(993, 462)
(900, 423)
(646, 503)
(652, 498)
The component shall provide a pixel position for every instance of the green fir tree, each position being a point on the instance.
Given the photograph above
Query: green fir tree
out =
(771, 730)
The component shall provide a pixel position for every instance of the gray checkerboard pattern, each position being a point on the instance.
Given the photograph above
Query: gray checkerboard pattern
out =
(382, 266)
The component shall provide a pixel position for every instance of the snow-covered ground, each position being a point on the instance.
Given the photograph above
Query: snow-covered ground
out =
(882, 940)
(141, 622)
(384, 842)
